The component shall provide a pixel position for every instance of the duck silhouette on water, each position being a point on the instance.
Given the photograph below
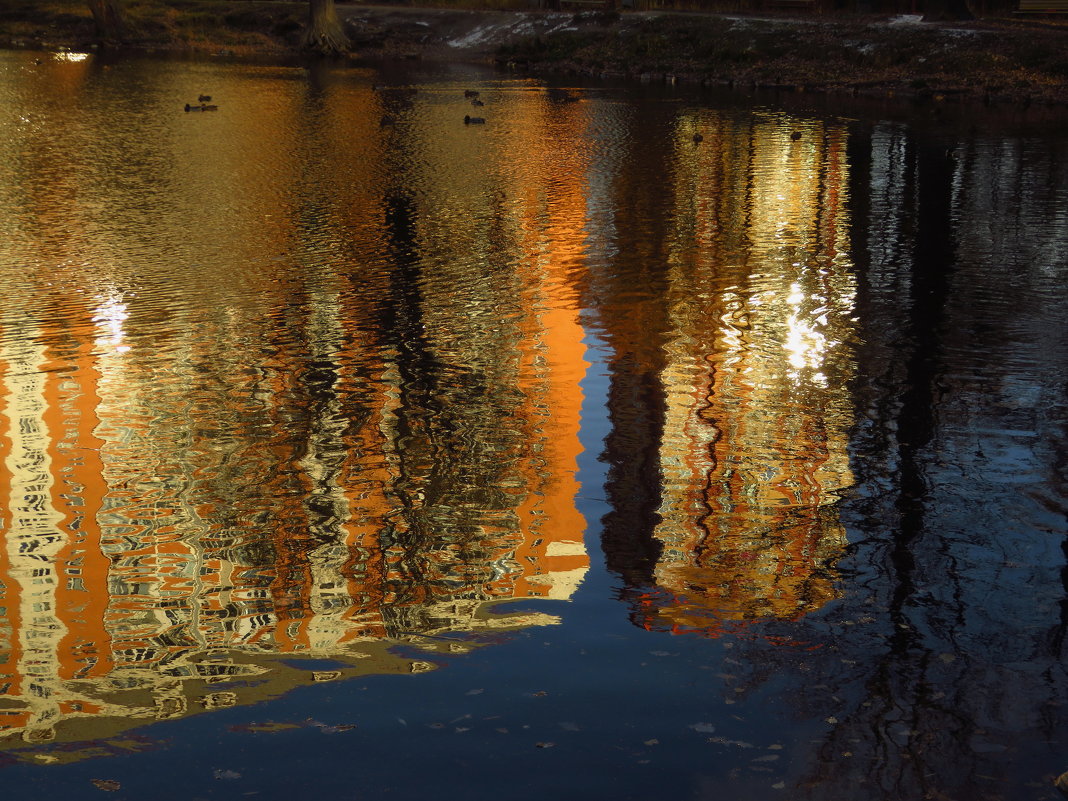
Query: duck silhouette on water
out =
(469, 120)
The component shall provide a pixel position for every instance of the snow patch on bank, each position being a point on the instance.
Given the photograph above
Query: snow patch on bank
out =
(478, 36)
(906, 19)
(497, 32)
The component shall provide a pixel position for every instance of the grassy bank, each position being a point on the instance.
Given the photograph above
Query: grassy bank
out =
(1008, 59)
(992, 59)
(178, 25)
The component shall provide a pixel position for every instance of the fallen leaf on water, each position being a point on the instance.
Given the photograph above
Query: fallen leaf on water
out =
(227, 774)
(725, 741)
(258, 728)
(704, 728)
(335, 729)
(479, 691)
(106, 784)
(654, 741)
(544, 745)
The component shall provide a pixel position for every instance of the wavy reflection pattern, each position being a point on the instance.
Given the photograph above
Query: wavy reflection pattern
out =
(334, 406)
(215, 464)
(757, 411)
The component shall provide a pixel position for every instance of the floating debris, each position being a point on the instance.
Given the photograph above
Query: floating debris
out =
(327, 728)
(263, 728)
(725, 741)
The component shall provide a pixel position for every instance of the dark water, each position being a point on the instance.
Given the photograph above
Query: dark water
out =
(560, 456)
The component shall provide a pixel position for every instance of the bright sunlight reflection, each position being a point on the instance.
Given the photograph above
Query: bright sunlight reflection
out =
(110, 318)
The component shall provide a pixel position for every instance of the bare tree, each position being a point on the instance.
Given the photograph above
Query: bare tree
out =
(946, 10)
(325, 33)
(108, 16)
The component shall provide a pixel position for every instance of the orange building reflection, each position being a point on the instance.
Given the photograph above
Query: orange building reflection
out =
(755, 446)
(157, 544)
(256, 463)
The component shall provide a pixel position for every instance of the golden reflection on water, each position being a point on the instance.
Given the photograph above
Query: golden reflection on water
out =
(245, 448)
(758, 408)
(327, 400)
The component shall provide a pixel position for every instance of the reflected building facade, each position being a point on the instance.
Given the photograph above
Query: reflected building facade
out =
(754, 363)
(144, 547)
(360, 424)
(373, 458)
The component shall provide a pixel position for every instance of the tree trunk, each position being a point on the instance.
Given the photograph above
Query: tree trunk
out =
(946, 10)
(107, 14)
(325, 34)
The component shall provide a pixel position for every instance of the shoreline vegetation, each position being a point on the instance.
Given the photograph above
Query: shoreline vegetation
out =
(1017, 60)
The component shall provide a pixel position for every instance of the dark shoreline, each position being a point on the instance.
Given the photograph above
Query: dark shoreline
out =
(1016, 62)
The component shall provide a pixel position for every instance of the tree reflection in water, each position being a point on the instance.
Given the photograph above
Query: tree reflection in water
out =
(316, 420)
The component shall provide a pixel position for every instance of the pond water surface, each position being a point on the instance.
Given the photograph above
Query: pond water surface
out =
(350, 451)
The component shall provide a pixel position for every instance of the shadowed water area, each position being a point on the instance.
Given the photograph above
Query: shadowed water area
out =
(350, 451)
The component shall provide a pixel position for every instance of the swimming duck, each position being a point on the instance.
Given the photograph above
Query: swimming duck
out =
(470, 93)
(204, 99)
(473, 120)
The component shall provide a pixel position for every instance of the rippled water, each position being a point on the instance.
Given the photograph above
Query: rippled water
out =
(726, 469)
